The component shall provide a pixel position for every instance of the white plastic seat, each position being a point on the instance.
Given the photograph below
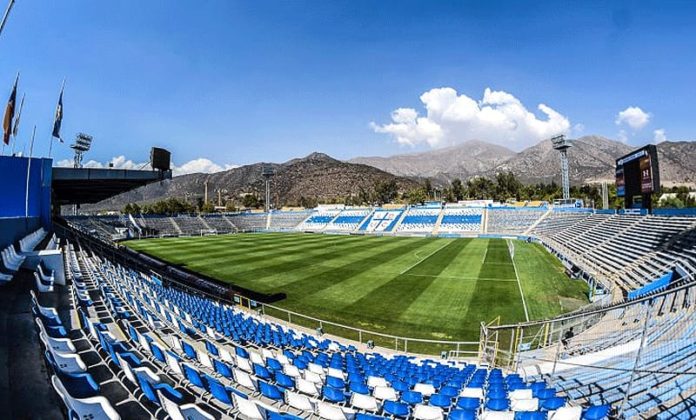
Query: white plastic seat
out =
(375, 381)
(244, 364)
(315, 368)
(313, 377)
(472, 393)
(425, 389)
(336, 373)
(183, 412)
(255, 357)
(531, 404)
(94, 408)
(497, 415)
(225, 355)
(291, 370)
(63, 345)
(40, 286)
(205, 360)
(364, 402)
(68, 362)
(46, 278)
(566, 413)
(521, 394)
(247, 408)
(299, 402)
(243, 379)
(384, 393)
(427, 412)
(173, 364)
(330, 412)
(5, 278)
(306, 387)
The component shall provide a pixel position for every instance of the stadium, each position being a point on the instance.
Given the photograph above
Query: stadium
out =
(431, 309)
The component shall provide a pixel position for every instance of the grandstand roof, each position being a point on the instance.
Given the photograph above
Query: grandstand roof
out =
(91, 185)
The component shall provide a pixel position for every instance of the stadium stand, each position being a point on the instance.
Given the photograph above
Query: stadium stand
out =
(512, 220)
(348, 220)
(419, 219)
(288, 220)
(461, 220)
(150, 350)
(219, 223)
(381, 220)
(318, 220)
(249, 222)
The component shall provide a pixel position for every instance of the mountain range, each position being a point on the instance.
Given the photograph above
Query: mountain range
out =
(591, 159)
(319, 176)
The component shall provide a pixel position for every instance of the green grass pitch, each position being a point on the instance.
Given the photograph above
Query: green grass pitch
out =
(433, 288)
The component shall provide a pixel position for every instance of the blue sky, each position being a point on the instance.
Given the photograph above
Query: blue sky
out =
(240, 82)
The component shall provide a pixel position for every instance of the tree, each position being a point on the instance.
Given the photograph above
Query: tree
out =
(416, 196)
(428, 186)
(250, 200)
(507, 186)
(386, 191)
(457, 189)
(207, 208)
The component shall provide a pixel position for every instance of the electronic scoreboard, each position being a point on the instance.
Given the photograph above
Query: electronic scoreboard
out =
(638, 177)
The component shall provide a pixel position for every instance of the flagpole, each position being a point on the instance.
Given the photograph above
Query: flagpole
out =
(16, 124)
(6, 15)
(31, 151)
(14, 106)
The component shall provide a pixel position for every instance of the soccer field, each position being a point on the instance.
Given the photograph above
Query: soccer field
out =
(433, 288)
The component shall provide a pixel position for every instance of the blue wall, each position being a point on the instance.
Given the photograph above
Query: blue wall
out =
(16, 219)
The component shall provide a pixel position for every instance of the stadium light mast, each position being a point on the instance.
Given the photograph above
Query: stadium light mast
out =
(83, 142)
(267, 172)
(561, 144)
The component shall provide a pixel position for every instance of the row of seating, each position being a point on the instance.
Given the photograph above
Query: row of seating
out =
(193, 315)
(12, 260)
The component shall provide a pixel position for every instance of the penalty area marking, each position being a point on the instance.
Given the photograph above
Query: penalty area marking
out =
(426, 257)
(524, 304)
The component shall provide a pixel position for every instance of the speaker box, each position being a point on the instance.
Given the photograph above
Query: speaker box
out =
(160, 158)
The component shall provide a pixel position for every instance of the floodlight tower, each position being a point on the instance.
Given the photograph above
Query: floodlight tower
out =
(267, 172)
(82, 144)
(562, 145)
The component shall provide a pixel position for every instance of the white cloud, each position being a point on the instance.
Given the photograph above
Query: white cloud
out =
(622, 136)
(452, 118)
(660, 135)
(634, 117)
(200, 165)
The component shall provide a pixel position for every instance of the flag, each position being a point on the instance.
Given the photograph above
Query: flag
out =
(19, 115)
(59, 117)
(9, 114)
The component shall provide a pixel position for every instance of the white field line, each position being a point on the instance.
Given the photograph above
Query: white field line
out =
(485, 254)
(524, 304)
(426, 257)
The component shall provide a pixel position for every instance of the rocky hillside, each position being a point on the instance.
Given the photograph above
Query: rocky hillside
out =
(591, 159)
(462, 161)
(315, 176)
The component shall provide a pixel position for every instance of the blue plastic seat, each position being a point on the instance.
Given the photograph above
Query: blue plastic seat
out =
(222, 368)
(270, 391)
(412, 397)
(150, 390)
(284, 380)
(335, 382)
(544, 393)
(363, 416)
(498, 404)
(400, 386)
(449, 391)
(261, 372)
(460, 414)
(332, 394)
(553, 403)
(359, 388)
(193, 376)
(396, 409)
(189, 350)
(596, 412)
(496, 394)
(439, 400)
(218, 390)
(468, 403)
(531, 415)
